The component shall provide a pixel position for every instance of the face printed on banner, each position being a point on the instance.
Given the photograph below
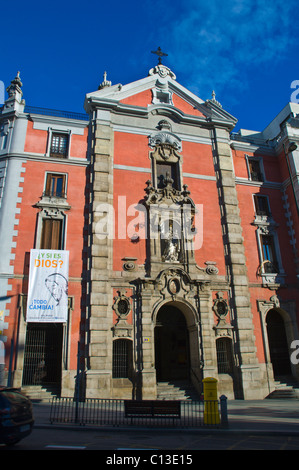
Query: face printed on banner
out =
(57, 286)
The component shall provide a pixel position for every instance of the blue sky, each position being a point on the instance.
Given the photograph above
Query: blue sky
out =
(247, 51)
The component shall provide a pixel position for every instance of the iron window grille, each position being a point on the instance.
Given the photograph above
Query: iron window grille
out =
(59, 145)
(224, 355)
(255, 170)
(261, 205)
(122, 356)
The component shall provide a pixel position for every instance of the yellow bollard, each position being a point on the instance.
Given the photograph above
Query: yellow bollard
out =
(211, 412)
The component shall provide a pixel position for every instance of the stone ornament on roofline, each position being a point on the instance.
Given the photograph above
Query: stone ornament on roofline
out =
(213, 100)
(162, 71)
(15, 85)
(105, 83)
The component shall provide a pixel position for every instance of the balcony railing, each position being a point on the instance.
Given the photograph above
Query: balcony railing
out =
(256, 176)
(54, 194)
(56, 113)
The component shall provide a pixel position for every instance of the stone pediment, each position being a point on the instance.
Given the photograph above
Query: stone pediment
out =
(162, 83)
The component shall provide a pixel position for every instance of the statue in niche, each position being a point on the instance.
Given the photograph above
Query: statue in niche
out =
(170, 251)
(169, 244)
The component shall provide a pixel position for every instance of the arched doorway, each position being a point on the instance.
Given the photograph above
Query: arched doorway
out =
(278, 345)
(171, 345)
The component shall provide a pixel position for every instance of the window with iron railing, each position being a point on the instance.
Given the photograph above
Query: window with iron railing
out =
(224, 355)
(122, 358)
(255, 171)
(261, 205)
(59, 145)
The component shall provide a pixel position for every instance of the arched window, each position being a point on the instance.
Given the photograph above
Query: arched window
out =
(122, 358)
(224, 355)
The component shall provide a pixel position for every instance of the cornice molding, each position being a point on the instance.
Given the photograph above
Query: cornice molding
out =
(62, 121)
(259, 184)
(45, 159)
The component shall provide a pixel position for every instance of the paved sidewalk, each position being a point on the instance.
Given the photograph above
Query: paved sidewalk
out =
(266, 416)
(258, 416)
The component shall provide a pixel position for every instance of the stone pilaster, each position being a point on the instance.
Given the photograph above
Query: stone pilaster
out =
(207, 337)
(99, 374)
(250, 376)
(147, 343)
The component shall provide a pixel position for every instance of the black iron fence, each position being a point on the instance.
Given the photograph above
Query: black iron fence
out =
(116, 412)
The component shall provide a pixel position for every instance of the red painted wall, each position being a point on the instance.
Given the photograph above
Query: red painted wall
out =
(275, 172)
(144, 99)
(36, 142)
(133, 150)
(33, 187)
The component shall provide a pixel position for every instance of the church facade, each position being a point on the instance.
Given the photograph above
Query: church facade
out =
(182, 241)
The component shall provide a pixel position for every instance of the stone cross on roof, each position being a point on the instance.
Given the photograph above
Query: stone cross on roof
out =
(160, 54)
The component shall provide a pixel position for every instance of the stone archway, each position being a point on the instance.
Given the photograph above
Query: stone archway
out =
(177, 343)
(288, 323)
(171, 345)
(278, 344)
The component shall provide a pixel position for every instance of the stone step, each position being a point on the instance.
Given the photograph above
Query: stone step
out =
(176, 391)
(39, 393)
(287, 394)
(285, 388)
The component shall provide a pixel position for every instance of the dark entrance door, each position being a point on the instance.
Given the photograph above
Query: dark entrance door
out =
(278, 346)
(43, 354)
(171, 345)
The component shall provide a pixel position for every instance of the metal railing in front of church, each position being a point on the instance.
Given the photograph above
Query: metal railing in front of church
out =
(156, 413)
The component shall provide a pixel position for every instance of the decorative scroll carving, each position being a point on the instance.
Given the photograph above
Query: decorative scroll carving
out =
(211, 267)
(162, 71)
(122, 308)
(167, 194)
(265, 305)
(121, 305)
(173, 282)
(129, 264)
(167, 143)
(220, 307)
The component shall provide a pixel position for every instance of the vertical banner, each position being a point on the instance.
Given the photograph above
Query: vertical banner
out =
(48, 286)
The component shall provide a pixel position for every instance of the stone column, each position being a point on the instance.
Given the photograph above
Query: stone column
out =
(252, 382)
